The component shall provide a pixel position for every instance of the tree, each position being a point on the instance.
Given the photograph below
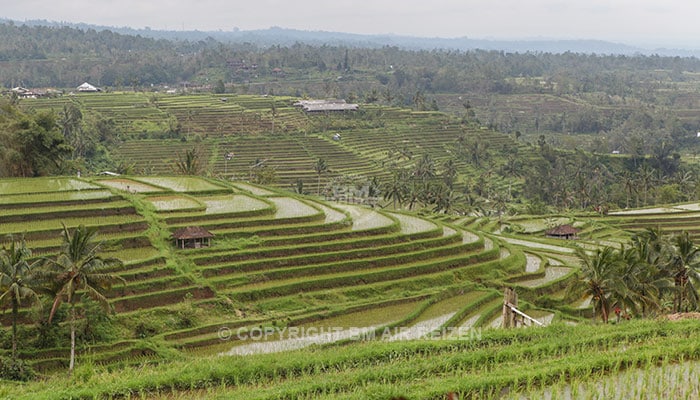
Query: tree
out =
(641, 284)
(219, 87)
(449, 172)
(321, 167)
(684, 267)
(599, 273)
(189, 164)
(424, 168)
(79, 269)
(646, 180)
(444, 198)
(395, 189)
(33, 147)
(16, 282)
(71, 119)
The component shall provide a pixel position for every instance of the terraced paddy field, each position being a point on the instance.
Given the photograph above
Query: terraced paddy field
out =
(276, 259)
(281, 263)
(269, 130)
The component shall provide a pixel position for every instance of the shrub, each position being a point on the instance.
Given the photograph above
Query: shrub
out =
(15, 369)
(146, 329)
(97, 324)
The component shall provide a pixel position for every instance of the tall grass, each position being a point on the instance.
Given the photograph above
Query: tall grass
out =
(515, 362)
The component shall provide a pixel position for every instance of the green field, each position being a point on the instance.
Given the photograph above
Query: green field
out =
(283, 263)
(314, 252)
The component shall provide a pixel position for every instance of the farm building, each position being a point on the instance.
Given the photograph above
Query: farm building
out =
(24, 93)
(326, 105)
(562, 232)
(192, 237)
(87, 88)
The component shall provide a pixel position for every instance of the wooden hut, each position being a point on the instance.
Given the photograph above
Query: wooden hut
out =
(562, 232)
(192, 237)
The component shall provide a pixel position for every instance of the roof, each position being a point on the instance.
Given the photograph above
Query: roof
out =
(562, 230)
(330, 107)
(86, 87)
(326, 105)
(192, 232)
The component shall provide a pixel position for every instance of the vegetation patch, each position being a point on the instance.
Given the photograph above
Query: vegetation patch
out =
(35, 199)
(44, 185)
(365, 218)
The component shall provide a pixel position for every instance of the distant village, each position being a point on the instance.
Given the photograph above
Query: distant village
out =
(308, 106)
(24, 93)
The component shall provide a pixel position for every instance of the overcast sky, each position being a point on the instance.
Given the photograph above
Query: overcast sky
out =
(650, 22)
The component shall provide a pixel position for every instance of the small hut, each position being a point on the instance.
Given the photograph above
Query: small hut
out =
(562, 232)
(88, 88)
(192, 237)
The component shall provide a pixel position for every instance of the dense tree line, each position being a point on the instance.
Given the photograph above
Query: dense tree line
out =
(64, 57)
(48, 143)
(583, 180)
(654, 273)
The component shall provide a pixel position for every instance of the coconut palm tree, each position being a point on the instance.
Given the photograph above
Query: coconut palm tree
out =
(189, 163)
(16, 282)
(642, 283)
(424, 168)
(449, 173)
(395, 189)
(684, 268)
(321, 167)
(600, 278)
(79, 269)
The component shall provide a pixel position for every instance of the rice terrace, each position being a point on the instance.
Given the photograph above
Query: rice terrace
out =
(300, 296)
(184, 244)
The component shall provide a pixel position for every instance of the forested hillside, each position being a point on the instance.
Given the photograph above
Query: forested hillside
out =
(562, 112)
(630, 103)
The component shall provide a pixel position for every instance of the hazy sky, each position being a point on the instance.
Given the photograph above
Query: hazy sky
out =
(654, 22)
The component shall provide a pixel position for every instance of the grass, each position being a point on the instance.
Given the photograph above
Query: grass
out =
(44, 185)
(486, 366)
(48, 198)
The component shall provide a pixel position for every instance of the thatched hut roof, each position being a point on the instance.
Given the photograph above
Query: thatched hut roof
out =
(562, 230)
(192, 232)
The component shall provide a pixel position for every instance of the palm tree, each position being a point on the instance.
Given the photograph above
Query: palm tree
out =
(646, 180)
(630, 185)
(424, 168)
(16, 282)
(685, 270)
(599, 277)
(395, 189)
(78, 267)
(449, 172)
(321, 167)
(444, 199)
(642, 283)
(189, 164)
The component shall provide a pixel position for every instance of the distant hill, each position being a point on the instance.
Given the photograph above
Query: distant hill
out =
(284, 36)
